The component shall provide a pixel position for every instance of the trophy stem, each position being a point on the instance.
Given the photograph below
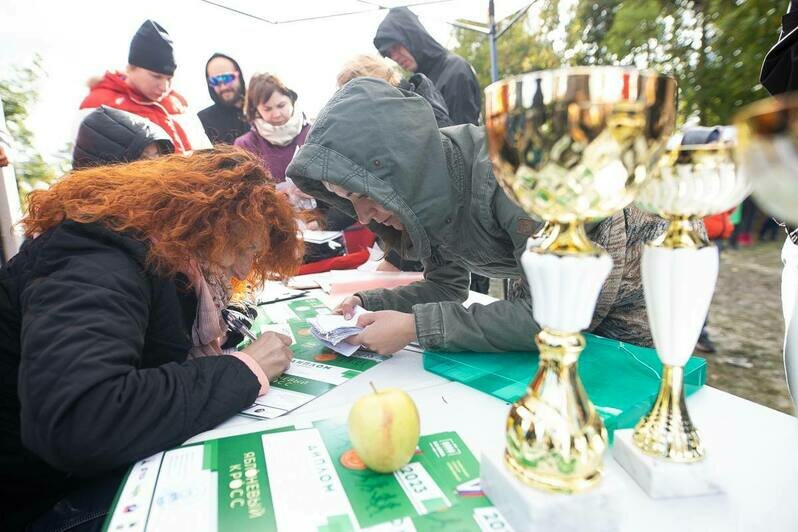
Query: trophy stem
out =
(555, 439)
(570, 238)
(666, 431)
(681, 234)
(679, 271)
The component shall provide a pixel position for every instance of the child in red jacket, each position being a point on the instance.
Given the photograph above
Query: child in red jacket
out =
(145, 89)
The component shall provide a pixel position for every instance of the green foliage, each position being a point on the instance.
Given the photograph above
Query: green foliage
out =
(19, 94)
(714, 48)
(586, 38)
(519, 50)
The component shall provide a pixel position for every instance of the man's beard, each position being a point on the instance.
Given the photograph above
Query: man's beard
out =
(236, 101)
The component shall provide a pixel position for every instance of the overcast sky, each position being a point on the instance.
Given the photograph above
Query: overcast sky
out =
(83, 38)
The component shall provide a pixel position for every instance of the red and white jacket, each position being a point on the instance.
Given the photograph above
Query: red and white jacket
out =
(171, 113)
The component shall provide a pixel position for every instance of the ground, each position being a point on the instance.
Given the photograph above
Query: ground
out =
(746, 325)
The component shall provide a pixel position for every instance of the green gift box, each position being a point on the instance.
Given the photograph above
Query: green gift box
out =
(622, 380)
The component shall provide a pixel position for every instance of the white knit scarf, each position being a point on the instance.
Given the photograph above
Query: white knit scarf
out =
(281, 135)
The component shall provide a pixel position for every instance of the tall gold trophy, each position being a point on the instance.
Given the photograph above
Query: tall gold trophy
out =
(679, 270)
(768, 156)
(569, 146)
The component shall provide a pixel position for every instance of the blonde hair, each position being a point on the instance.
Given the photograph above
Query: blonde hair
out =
(368, 66)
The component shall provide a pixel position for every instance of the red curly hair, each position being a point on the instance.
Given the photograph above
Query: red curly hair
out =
(202, 207)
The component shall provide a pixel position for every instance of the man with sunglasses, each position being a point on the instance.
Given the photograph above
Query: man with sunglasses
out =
(224, 120)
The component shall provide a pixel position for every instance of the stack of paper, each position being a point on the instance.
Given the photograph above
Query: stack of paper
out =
(320, 237)
(333, 329)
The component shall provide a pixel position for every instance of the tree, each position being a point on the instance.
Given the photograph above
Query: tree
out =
(587, 31)
(741, 38)
(19, 93)
(521, 49)
(714, 48)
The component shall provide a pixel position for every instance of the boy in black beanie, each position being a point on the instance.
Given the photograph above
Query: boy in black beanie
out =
(152, 48)
(145, 89)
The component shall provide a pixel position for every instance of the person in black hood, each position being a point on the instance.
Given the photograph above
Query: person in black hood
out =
(401, 37)
(224, 121)
(108, 136)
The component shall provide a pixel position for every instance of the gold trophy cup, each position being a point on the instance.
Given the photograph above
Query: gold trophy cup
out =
(679, 269)
(768, 154)
(569, 146)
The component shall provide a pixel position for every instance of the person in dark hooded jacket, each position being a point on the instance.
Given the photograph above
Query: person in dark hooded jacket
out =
(108, 136)
(224, 121)
(401, 37)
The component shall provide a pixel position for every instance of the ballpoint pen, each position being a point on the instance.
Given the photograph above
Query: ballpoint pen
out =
(284, 298)
(237, 324)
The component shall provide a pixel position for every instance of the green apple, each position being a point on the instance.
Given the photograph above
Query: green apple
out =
(384, 429)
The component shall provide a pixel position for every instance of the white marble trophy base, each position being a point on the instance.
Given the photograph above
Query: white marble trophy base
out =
(528, 509)
(661, 479)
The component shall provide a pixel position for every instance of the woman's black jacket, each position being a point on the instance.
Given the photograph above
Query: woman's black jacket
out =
(93, 365)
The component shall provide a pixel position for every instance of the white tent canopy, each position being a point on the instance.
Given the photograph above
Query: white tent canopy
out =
(481, 15)
(303, 10)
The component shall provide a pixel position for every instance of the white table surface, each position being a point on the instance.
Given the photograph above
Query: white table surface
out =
(752, 448)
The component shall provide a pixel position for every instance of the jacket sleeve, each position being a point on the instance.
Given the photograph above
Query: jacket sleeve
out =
(510, 326)
(498, 326)
(444, 280)
(86, 404)
(465, 105)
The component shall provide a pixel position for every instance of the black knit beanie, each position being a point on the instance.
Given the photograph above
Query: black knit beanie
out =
(151, 48)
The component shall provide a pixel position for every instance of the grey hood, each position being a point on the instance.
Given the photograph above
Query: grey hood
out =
(381, 142)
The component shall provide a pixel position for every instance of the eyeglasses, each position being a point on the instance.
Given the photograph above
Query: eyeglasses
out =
(223, 79)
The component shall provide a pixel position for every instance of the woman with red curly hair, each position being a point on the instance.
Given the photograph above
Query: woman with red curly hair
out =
(108, 315)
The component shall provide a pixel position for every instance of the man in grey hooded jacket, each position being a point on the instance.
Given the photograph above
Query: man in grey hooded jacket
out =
(375, 152)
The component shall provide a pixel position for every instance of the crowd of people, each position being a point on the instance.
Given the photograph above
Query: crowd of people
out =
(113, 344)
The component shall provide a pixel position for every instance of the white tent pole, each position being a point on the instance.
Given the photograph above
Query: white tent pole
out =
(10, 212)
